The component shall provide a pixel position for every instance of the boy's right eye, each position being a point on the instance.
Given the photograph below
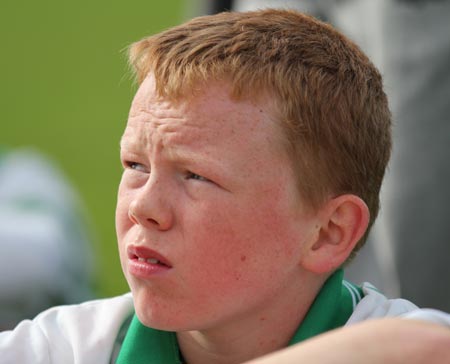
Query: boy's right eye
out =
(136, 166)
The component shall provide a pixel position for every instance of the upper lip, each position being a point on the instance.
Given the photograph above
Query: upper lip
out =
(139, 251)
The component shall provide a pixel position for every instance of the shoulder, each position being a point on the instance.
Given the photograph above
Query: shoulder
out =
(83, 333)
(375, 305)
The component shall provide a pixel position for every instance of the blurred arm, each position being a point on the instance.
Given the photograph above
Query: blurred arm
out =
(385, 341)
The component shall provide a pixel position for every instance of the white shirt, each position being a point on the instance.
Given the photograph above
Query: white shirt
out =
(86, 333)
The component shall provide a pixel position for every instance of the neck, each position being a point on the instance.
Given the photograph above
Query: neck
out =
(256, 333)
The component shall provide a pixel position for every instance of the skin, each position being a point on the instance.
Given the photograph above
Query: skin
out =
(207, 185)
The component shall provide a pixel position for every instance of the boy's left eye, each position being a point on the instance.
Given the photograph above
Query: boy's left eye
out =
(191, 175)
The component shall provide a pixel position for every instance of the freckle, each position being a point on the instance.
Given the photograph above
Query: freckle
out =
(243, 258)
(262, 319)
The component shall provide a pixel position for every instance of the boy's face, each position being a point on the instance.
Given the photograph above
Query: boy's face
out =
(207, 190)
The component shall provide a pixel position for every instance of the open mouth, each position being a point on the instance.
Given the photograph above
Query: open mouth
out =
(149, 260)
(143, 255)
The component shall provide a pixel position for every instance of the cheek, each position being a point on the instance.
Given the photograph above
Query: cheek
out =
(242, 247)
(215, 252)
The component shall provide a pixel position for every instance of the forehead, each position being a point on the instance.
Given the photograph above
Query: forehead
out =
(208, 117)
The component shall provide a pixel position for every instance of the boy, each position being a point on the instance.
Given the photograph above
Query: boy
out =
(253, 158)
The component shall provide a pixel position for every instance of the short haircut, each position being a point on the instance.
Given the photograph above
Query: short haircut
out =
(329, 97)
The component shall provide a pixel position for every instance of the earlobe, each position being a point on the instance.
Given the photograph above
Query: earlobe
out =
(343, 222)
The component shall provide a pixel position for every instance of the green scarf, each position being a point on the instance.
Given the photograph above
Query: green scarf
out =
(331, 309)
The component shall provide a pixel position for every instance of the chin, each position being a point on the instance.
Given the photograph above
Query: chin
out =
(163, 323)
(159, 315)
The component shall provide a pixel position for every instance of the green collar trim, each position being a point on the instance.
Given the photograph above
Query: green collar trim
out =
(331, 309)
(144, 345)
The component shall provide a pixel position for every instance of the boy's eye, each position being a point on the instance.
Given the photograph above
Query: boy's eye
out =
(191, 175)
(136, 166)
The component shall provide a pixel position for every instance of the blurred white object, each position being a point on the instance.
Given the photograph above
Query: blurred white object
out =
(45, 256)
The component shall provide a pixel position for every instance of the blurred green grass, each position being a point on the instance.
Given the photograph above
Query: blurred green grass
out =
(65, 89)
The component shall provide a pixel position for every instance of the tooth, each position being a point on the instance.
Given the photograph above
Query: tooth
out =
(141, 260)
(152, 261)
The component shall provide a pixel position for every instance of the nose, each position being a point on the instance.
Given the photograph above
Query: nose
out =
(150, 206)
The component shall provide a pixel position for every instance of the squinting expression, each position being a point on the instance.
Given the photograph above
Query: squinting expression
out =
(209, 222)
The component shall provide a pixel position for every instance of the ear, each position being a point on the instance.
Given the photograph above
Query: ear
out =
(342, 223)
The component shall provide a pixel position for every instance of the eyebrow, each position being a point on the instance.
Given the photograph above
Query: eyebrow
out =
(178, 154)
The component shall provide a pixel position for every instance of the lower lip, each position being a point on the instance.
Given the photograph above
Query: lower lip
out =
(146, 270)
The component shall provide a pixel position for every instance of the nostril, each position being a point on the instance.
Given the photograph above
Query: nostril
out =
(153, 221)
(150, 213)
(135, 220)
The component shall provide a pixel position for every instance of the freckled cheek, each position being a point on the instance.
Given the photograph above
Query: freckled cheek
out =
(279, 222)
(225, 249)
(219, 249)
